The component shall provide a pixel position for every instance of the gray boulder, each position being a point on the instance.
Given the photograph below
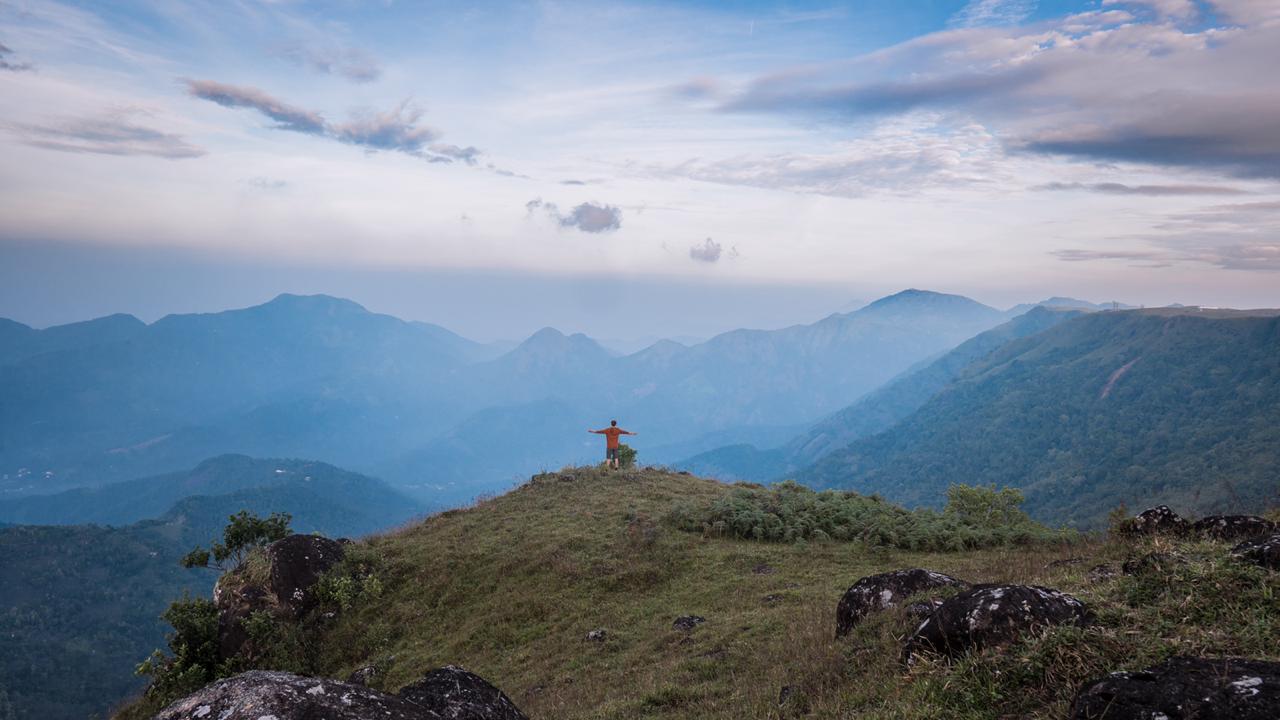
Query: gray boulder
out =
(1183, 688)
(875, 593)
(991, 615)
(1159, 520)
(453, 693)
(297, 562)
(284, 696)
(1264, 551)
(1232, 527)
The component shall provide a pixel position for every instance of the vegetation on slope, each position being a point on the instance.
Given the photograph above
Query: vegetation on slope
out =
(510, 588)
(1138, 407)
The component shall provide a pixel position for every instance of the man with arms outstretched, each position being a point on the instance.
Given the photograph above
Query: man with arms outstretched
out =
(612, 433)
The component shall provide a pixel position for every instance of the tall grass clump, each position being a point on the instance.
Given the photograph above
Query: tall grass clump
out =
(975, 517)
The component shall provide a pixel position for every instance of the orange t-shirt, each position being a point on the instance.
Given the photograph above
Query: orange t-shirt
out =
(612, 433)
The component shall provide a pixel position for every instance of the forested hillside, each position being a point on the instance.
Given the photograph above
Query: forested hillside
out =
(1173, 406)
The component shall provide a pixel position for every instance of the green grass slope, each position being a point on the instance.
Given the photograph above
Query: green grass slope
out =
(1174, 406)
(510, 587)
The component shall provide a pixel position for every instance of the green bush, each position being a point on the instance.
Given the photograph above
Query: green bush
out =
(790, 512)
(626, 456)
(195, 660)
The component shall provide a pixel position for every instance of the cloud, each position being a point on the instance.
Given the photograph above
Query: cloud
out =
(351, 63)
(588, 217)
(6, 64)
(395, 130)
(1114, 188)
(1098, 86)
(236, 96)
(112, 134)
(1176, 9)
(992, 12)
(266, 183)
(1076, 255)
(708, 252)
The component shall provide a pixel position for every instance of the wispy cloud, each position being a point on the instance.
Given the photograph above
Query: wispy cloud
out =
(1114, 188)
(110, 134)
(396, 130)
(708, 251)
(351, 63)
(979, 13)
(588, 217)
(10, 65)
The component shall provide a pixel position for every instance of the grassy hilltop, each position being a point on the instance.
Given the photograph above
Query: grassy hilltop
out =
(510, 588)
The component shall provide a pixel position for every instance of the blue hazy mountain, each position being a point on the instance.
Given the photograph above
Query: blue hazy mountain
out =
(874, 412)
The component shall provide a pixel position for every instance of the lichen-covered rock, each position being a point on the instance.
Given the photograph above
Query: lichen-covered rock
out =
(455, 694)
(875, 593)
(236, 602)
(688, 622)
(923, 609)
(1152, 562)
(992, 615)
(1102, 573)
(598, 635)
(1159, 520)
(297, 562)
(285, 696)
(1182, 688)
(1264, 551)
(1232, 527)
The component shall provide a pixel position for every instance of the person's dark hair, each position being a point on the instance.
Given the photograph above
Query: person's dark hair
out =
(613, 423)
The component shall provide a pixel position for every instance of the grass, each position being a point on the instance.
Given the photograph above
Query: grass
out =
(509, 589)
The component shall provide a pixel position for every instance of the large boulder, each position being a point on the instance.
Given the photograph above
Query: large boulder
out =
(285, 696)
(1264, 551)
(992, 615)
(1182, 688)
(1159, 520)
(236, 602)
(875, 593)
(297, 562)
(448, 693)
(456, 694)
(1232, 527)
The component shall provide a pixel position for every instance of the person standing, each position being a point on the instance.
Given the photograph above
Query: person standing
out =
(611, 434)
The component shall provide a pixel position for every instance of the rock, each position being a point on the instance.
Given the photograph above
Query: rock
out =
(1182, 688)
(235, 603)
(881, 592)
(285, 696)
(364, 676)
(1152, 562)
(1264, 551)
(1159, 520)
(453, 693)
(597, 635)
(297, 562)
(923, 609)
(1102, 573)
(1233, 527)
(992, 615)
(688, 622)
(771, 599)
(763, 569)
(785, 694)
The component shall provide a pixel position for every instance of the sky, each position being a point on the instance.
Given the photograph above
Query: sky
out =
(634, 169)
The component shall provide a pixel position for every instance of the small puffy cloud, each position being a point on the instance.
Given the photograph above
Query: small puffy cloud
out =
(708, 252)
(351, 63)
(112, 134)
(588, 217)
(10, 65)
(237, 96)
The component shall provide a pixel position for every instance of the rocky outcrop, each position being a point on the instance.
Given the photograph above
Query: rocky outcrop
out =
(1159, 520)
(688, 622)
(285, 696)
(235, 603)
(992, 615)
(1182, 688)
(875, 593)
(297, 562)
(1232, 527)
(1264, 551)
(456, 694)
(448, 693)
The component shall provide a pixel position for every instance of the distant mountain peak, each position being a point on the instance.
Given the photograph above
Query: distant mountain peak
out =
(914, 299)
(313, 302)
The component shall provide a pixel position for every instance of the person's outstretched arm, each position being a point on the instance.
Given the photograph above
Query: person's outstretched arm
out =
(628, 432)
(597, 432)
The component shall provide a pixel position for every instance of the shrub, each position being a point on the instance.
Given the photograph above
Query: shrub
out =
(626, 456)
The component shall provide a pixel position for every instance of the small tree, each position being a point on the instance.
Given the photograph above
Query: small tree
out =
(244, 532)
(626, 456)
(986, 506)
